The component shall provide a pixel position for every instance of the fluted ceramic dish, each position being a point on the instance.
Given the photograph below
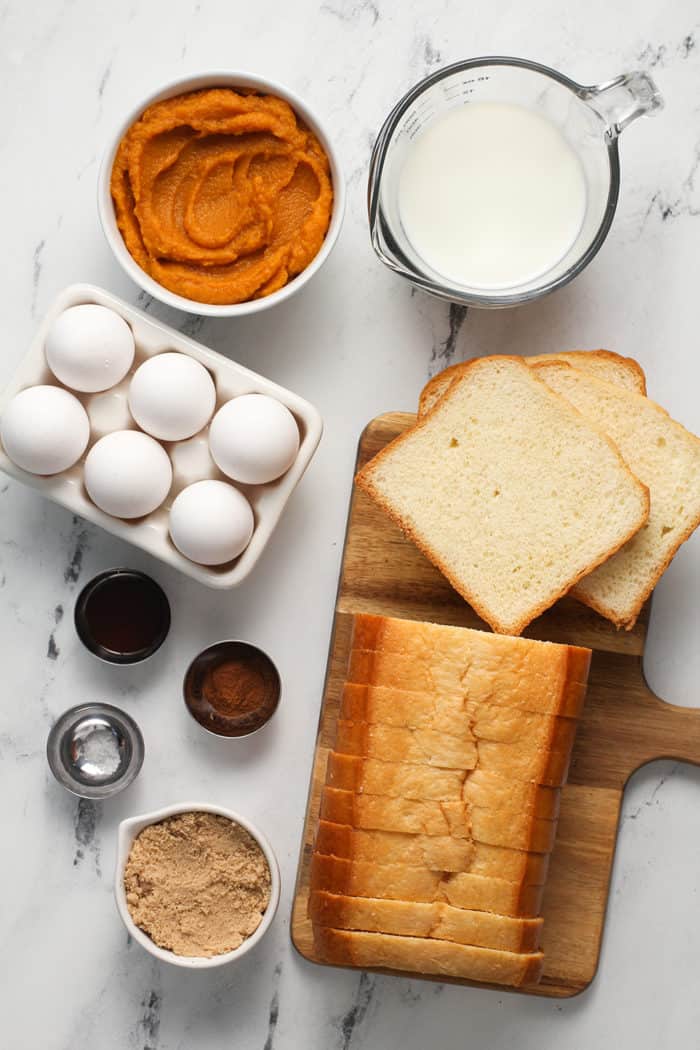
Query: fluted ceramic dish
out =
(127, 832)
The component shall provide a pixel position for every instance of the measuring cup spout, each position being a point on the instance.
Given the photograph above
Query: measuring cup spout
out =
(620, 101)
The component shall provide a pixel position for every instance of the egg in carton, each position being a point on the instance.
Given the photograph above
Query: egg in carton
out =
(181, 442)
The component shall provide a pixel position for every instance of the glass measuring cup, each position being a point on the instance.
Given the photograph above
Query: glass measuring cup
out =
(591, 119)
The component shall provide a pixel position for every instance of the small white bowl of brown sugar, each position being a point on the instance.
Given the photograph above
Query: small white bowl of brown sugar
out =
(196, 885)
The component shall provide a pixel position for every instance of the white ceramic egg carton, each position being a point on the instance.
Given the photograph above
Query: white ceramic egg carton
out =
(190, 459)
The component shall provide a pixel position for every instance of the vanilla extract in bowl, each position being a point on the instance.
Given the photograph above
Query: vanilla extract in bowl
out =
(122, 616)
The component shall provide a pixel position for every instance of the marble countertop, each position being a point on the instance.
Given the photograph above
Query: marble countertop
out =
(356, 342)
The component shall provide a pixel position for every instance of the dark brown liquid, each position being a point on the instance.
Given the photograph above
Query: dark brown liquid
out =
(126, 614)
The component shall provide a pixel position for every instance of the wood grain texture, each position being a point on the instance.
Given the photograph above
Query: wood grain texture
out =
(624, 725)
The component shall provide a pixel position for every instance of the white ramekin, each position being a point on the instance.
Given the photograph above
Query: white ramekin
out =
(127, 832)
(217, 78)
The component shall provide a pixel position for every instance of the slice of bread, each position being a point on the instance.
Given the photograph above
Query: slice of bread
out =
(478, 788)
(525, 832)
(431, 748)
(396, 882)
(603, 364)
(666, 458)
(457, 679)
(613, 368)
(470, 721)
(510, 493)
(427, 956)
(436, 852)
(439, 921)
(431, 851)
(472, 666)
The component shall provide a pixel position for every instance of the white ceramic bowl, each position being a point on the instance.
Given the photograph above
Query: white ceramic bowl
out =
(218, 78)
(127, 832)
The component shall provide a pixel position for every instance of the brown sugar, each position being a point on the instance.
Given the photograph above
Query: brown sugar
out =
(197, 883)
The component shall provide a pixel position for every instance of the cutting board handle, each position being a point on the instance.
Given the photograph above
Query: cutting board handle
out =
(667, 731)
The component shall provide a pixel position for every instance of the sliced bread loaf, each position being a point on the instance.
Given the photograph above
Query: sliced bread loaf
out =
(666, 458)
(427, 956)
(512, 495)
(439, 921)
(604, 364)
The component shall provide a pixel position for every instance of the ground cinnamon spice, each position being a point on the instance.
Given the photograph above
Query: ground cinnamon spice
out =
(232, 688)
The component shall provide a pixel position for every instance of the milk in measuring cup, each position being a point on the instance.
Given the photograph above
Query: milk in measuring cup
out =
(491, 195)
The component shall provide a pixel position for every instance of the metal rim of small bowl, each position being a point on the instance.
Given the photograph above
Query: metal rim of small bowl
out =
(99, 651)
(195, 82)
(446, 292)
(208, 649)
(70, 718)
(125, 839)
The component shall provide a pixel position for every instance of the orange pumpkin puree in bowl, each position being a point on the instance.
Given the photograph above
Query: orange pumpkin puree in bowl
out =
(221, 196)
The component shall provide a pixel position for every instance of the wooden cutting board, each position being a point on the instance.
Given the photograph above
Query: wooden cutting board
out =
(624, 725)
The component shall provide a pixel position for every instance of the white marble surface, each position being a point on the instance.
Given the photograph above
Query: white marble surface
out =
(356, 343)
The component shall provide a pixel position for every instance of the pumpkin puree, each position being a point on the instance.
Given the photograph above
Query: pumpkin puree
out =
(221, 196)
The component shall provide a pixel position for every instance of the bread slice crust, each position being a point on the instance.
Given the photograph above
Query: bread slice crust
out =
(459, 819)
(636, 380)
(396, 882)
(438, 853)
(439, 921)
(477, 788)
(423, 955)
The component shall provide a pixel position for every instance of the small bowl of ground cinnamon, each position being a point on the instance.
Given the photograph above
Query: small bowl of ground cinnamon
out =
(232, 688)
(196, 885)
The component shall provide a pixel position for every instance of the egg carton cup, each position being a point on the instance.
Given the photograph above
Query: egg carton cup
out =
(191, 459)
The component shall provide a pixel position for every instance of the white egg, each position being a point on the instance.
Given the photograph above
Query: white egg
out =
(127, 474)
(89, 348)
(254, 439)
(172, 396)
(44, 429)
(211, 522)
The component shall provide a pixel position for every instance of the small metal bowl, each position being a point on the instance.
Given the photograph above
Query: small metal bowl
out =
(252, 661)
(95, 750)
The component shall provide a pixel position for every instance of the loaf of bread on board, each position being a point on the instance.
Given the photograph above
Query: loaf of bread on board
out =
(510, 493)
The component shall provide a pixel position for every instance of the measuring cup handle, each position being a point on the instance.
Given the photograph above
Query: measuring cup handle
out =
(620, 101)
